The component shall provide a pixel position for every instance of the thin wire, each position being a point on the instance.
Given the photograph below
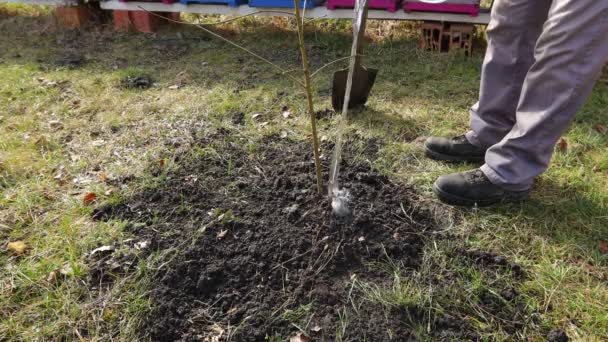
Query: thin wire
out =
(283, 71)
(330, 63)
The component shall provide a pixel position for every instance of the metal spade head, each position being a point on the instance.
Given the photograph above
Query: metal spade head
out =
(362, 78)
(363, 81)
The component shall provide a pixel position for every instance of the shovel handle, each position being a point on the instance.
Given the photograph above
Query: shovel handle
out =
(359, 25)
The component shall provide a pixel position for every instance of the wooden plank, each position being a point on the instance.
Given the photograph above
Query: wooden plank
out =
(317, 12)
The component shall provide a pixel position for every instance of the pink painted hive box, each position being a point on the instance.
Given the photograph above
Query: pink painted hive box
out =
(451, 6)
(389, 5)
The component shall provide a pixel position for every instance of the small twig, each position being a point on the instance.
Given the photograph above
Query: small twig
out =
(290, 260)
(330, 63)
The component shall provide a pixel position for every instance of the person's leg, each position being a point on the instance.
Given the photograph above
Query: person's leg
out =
(514, 29)
(570, 55)
(512, 33)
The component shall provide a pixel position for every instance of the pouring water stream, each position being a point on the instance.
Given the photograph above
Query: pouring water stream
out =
(341, 197)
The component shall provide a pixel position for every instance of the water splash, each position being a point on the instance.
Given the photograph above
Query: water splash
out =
(339, 203)
(340, 198)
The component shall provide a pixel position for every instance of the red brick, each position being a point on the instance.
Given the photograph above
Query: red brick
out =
(122, 22)
(145, 22)
(73, 16)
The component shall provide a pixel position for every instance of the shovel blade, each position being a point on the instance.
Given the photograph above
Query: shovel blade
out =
(363, 81)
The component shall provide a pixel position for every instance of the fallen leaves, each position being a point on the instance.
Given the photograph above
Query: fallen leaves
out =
(98, 143)
(603, 247)
(300, 338)
(222, 234)
(103, 176)
(219, 332)
(601, 128)
(17, 247)
(102, 249)
(67, 270)
(89, 198)
(55, 125)
(142, 245)
(52, 277)
(562, 145)
(286, 112)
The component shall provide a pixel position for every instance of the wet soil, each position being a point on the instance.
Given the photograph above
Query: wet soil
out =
(250, 252)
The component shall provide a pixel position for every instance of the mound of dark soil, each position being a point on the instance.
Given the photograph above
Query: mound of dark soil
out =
(258, 252)
(251, 252)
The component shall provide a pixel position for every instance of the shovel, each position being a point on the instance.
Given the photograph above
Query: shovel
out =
(362, 77)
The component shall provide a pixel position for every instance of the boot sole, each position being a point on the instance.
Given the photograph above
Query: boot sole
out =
(452, 159)
(452, 199)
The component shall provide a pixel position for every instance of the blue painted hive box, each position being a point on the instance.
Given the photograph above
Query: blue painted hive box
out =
(233, 3)
(284, 3)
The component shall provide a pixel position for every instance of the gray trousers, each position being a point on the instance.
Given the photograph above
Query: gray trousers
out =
(542, 61)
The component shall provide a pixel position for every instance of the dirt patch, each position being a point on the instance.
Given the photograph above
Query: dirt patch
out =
(137, 82)
(250, 253)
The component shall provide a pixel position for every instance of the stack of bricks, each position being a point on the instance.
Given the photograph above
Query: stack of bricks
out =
(447, 37)
(74, 17)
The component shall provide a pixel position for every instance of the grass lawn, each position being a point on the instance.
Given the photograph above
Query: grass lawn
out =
(69, 127)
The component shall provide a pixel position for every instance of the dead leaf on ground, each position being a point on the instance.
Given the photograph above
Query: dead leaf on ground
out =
(42, 142)
(103, 176)
(142, 245)
(52, 277)
(601, 128)
(222, 233)
(299, 338)
(286, 112)
(562, 145)
(67, 270)
(82, 180)
(102, 249)
(219, 332)
(161, 163)
(89, 198)
(603, 246)
(17, 247)
(55, 124)
(98, 143)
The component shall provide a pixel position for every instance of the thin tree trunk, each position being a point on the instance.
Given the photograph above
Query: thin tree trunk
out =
(308, 88)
